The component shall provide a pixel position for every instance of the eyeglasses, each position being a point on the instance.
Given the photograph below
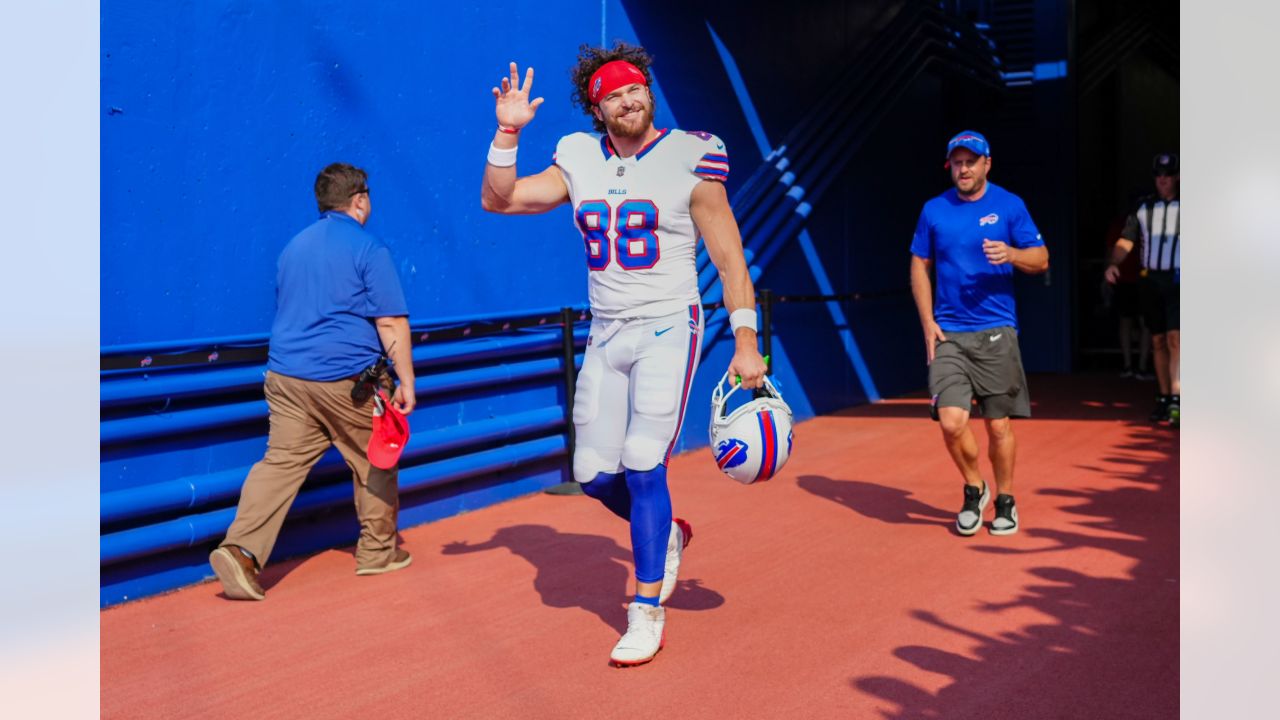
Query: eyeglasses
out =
(364, 190)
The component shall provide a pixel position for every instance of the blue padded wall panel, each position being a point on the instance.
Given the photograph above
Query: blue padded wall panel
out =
(217, 116)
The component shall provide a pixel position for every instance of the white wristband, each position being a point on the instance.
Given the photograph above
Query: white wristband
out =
(742, 318)
(500, 157)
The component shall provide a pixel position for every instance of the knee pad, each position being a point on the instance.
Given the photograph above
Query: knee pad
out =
(645, 453)
(589, 462)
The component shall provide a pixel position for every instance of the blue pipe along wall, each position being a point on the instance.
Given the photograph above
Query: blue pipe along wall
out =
(217, 116)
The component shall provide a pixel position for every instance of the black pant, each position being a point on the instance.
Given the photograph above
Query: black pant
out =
(1158, 292)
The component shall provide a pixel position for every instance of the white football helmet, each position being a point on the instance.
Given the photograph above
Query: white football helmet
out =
(753, 442)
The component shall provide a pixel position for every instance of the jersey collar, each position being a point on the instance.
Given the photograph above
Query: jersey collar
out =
(606, 145)
(338, 215)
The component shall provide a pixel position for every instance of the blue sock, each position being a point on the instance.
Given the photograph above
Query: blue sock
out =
(647, 600)
(650, 521)
(611, 489)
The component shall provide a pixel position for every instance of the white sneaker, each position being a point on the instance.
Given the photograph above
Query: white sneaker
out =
(644, 637)
(681, 534)
(975, 501)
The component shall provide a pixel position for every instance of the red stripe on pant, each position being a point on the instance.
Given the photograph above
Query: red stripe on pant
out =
(695, 313)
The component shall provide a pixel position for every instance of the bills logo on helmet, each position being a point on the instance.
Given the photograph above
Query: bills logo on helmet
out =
(731, 453)
(991, 219)
(753, 442)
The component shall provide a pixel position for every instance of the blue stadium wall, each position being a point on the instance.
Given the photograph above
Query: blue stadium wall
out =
(217, 115)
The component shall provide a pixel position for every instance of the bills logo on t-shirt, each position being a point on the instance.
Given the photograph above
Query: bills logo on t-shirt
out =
(991, 219)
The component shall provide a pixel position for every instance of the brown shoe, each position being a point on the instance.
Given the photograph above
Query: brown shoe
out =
(401, 560)
(237, 572)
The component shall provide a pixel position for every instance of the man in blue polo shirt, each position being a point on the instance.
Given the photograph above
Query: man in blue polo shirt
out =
(974, 236)
(339, 307)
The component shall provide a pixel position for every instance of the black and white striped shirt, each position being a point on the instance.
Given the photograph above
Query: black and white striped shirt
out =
(1155, 230)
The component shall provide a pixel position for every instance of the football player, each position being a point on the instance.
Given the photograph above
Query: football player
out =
(641, 197)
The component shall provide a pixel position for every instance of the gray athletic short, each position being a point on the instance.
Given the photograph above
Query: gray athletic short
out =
(986, 365)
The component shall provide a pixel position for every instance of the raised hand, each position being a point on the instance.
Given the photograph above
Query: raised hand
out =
(513, 107)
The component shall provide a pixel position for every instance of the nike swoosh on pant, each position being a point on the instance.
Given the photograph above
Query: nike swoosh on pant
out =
(659, 333)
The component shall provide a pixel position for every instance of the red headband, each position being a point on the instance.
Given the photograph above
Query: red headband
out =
(611, 76)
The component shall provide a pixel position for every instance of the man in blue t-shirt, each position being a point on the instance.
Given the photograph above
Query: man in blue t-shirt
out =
(339, 308)
(973, 236)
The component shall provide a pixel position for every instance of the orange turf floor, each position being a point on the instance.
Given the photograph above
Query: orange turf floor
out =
(839, 589)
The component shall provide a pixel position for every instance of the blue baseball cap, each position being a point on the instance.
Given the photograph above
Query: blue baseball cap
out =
(969, 139)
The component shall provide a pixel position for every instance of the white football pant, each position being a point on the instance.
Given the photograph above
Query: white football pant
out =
(632, 391)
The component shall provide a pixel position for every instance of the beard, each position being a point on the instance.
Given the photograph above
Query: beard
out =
(636, 125)
(972, 186)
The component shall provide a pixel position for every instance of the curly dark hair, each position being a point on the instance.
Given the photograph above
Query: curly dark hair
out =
(590, 59)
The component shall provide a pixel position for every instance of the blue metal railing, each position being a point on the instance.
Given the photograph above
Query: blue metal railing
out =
(138, 520)
(206, 527)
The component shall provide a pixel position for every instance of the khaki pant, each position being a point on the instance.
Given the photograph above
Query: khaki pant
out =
(306, 418)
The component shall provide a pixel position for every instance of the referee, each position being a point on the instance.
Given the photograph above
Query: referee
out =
(1156, 224)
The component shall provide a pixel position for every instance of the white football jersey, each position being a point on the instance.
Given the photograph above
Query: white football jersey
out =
(633, 213)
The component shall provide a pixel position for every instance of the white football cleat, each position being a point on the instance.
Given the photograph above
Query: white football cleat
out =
(681, 534)
(644, 636)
